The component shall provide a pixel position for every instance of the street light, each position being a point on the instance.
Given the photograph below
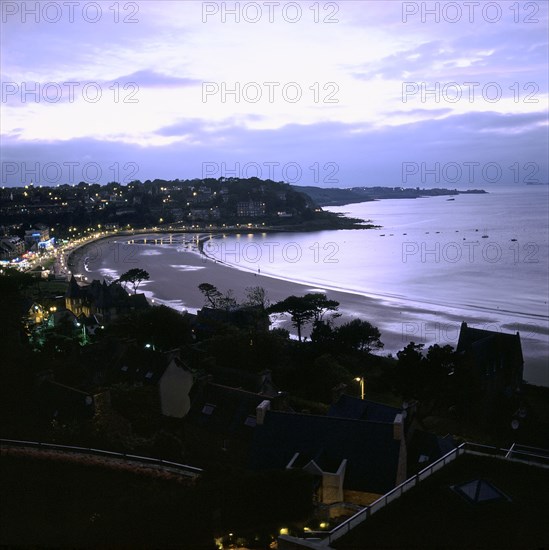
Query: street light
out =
(361, 380)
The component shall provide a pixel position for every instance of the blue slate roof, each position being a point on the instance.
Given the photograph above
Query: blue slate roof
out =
(429, 446)
(362, 409)
(369, 447)
(225, 410)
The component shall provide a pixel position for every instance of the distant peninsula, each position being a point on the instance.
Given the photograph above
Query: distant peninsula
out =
(334, 196)
(208, 205)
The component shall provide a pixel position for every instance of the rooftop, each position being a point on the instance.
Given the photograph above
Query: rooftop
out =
(433, 515)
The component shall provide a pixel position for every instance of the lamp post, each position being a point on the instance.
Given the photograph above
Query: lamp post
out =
(361, 380)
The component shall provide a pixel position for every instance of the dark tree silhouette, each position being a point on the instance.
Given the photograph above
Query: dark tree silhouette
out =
(211, 294)
(304, 309)
(359, 335)
(134, 276)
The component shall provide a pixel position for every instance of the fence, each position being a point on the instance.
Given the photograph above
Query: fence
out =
(395, 493)
(516, 453)
(183, 469)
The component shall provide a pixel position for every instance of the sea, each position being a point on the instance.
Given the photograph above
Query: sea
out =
(478, 258)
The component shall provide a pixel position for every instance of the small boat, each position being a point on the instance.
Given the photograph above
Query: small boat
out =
(514, 240)
(485, 236)
(382, 235)
(450, 199)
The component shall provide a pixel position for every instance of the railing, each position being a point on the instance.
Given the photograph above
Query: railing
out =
(395, 493)
(516, 453)
(183, 469)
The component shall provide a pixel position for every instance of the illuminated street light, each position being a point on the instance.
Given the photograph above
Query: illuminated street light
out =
(361, 380)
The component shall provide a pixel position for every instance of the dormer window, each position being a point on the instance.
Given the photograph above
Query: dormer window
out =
(208, 409)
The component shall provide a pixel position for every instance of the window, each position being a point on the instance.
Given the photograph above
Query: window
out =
(208, 409)
(251, 421)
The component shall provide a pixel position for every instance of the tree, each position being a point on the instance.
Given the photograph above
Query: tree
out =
(257, 296)
(227, 300)
(321, 305)
(211, 294)
(134, 276)
(359, 335)
(300, 308)
(410, 374)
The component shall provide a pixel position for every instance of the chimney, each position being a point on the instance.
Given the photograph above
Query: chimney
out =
(398, 427)
(280, 402)
(261, 411)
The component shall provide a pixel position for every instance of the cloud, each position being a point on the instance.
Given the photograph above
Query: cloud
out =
(326, 154)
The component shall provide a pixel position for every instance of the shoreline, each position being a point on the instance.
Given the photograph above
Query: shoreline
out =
(399, 320)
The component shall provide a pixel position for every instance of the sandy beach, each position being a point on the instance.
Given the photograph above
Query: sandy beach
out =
(399, 322)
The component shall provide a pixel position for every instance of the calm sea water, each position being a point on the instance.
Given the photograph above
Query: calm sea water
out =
(479, 258)
(483, 259)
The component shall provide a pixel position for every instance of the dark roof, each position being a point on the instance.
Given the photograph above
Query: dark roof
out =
(425, 448)
(363, 409)
(255, 382)
(226, 410)
(106, 296)
(64, 401)
(489, 347)
(142, 365)
(138, 301)
(74, 289)
(370, 449)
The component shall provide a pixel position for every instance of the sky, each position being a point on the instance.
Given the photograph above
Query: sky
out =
(334, 94)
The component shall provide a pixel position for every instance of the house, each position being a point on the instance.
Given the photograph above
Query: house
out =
(104, 301)
(250, 209)
(36, 313)
(175, 386)
(11, 247)
(38, 236)
(351, 460)
(492, 364)
(165, 370)
(228, 411)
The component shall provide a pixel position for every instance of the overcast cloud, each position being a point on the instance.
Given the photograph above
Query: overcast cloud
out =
(349, 93)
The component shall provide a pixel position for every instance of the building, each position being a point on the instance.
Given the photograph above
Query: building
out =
(355, 453)
(250, 209)
(167, 371)
(38, 235)
(11, 247)
(491, 366)
(104, 301)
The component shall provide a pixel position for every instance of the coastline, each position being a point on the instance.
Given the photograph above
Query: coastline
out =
(399, 320)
